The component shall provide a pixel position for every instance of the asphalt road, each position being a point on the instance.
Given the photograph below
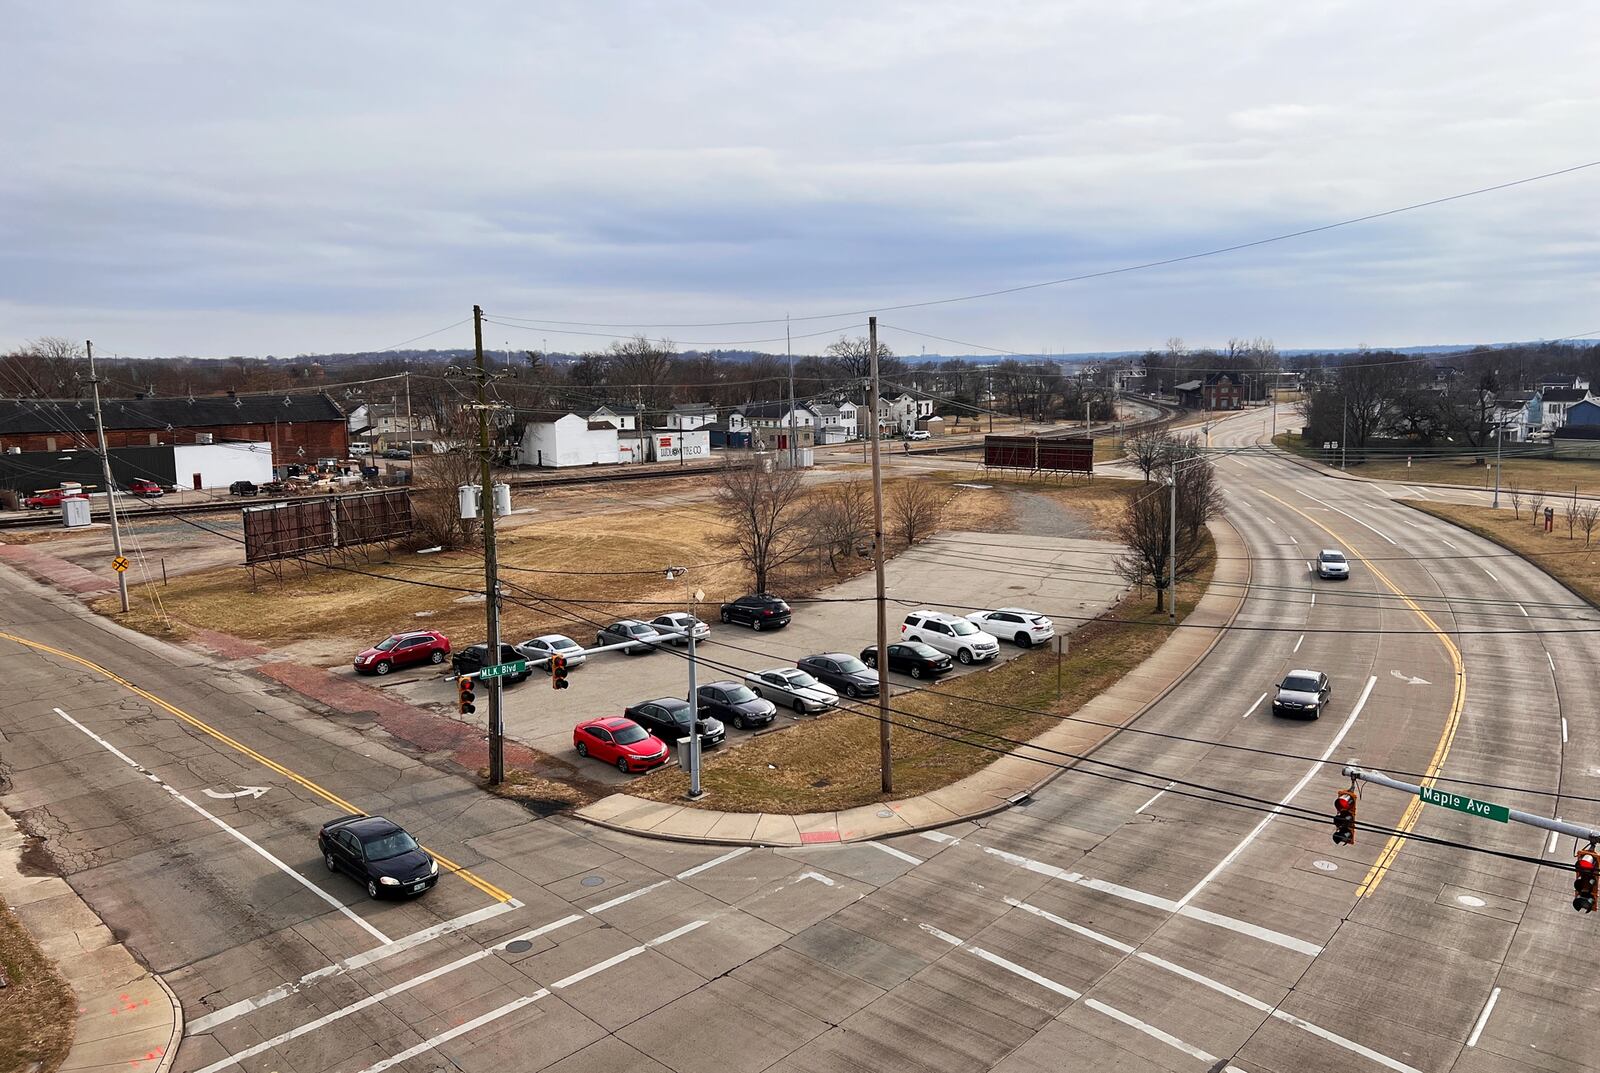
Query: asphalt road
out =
(1107, 925)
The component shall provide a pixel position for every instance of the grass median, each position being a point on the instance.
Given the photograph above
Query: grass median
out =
(1567, 559)
(37, 1009)
(1528, 467)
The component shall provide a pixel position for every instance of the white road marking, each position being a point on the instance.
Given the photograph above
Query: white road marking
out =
(1552, 660)
(940, 837)
(243, 791)
(243, 839)
(1419, 491)
(624, 898)
(1313, 599)
(1551, 848)
(379, 996)
(1297, 645)
(200, 1025)
(1483, 1018)
(724, 859)
(1524, 610)
(818, 876)
(1251, 710)
(1292, 540)
(1026, 973)
(940, 934)
(891, 851)
(518, 1003)
(1452, 546)
(1347, 514)
(1152, 801)
(1290, 796)
(1149, 1030)
(1486, 570)
(1563, 730)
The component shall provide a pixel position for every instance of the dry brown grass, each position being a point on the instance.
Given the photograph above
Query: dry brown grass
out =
(37, 1009)
(1567, 560)
(1552, 475)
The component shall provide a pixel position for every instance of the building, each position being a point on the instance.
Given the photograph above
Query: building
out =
(902, 414)
(1557, 400)
(1189, 394)
(1563, 380)
(568, 441)
(692, 415)
(198, 466)
(678, 444)
(622, 422)
(386, 424)
(1583, 414)
(722, 436)
(1223, 391)
(836, 422)
(765, 416)
(299, 428)
(1516, 415)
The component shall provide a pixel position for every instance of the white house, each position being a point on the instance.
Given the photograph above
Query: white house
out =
(622, 422)
(1556, 402)
(769, 422)
(692, 415)
(901, 414)
(568, 441)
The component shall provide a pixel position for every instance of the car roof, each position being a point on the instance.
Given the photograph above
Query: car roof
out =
(610, 722)
(831, 655)
(547, 637)
(1303, 673)
(1019, 610)
(726, 683)
(941, 616)
(1331, 551)
(371, 826)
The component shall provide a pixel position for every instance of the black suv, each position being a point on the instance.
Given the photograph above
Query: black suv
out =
(470, 661)
(843, 672)
(736, 703)
(668, 719)
(760, 611)
(242, 488)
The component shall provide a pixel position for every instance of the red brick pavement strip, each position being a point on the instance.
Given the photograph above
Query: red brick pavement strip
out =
(227, 645)
(54, 570)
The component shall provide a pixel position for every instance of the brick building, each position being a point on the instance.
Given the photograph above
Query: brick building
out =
(300, 428)
(1224, 391)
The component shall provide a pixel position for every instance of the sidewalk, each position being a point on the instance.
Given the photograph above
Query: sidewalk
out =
(128, 1019)
(999, 786)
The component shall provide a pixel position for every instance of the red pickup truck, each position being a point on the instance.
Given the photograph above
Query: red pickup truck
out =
(52, 498)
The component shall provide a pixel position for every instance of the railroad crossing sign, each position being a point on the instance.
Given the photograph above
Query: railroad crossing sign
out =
(1462, 803)
(500, 670)
(120, 563)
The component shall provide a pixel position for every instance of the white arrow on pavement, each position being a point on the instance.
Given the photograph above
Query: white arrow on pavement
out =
(243, 791)
(1411, 679)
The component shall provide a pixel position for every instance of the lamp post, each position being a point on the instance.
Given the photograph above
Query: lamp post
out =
(691, 599)
(1499, 425)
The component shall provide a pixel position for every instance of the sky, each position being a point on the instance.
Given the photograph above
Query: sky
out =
(214, 179)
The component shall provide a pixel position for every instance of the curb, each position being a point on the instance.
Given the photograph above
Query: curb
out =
(977, 814)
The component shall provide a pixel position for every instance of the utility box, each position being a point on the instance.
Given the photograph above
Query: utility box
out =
(74, 513)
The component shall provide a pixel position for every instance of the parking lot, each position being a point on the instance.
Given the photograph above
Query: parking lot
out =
(958, 572)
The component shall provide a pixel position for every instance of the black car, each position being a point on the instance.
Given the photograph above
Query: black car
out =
(736, 703)
(843, 672)
(378, 853)
(242, 488)
(668, 719)
(760, 611)
(913, 658)
(470, 661)
(395, 452)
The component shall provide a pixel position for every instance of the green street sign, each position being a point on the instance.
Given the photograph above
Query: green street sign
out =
(1469, 805)
(500, 670)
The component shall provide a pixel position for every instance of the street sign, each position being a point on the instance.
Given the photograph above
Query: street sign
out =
(500, 670)
(1461, 803)
(120, 563)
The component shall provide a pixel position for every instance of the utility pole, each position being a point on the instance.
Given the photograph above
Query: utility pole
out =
(491, 565)
(1172, 549)
(788, 348)
(411, 432)
(1498, 426)
(885, 766)
(105, 470)
(1344, 429)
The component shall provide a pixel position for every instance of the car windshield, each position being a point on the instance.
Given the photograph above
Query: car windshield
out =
(801, 680)
(925, 651)
(1332, 557)
(963, 628)
(851, 665)
(740, 694)
(387, 643)
(629, 735)
(678, 713)
(393, 844)
(1299, 684)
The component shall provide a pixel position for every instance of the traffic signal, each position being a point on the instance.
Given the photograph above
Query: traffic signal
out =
(464, 695)
(1344, 818)
(558, 672)
(1587, 869)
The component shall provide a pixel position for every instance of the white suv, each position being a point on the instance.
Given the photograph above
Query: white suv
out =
(951, 635)
(1027, 628)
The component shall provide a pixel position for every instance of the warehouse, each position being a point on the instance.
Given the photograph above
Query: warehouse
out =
(198, 466)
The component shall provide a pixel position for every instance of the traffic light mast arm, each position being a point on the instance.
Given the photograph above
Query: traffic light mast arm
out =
(1582, 834)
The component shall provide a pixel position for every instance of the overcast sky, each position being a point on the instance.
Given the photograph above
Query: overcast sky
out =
(204, 178)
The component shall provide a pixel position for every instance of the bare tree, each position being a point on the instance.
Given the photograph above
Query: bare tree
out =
(1143, 530)
(915, 509)
(1535, 504)
(1148, 452)
(763, 504)
(1587, 517)
(641, 371)
(840, 520)
(435, 509)
(851, 359)
(1570, 511)
(1514, 493)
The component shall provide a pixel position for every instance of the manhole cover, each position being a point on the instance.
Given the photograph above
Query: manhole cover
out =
(592, 881)
(1326, 866)
(518, 946)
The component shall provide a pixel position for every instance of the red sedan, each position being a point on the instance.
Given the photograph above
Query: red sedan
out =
(52, 498)
(403, 650)
(621, 742)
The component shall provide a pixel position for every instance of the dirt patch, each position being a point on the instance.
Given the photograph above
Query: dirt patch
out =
(1567, 560)
(37, 1009)
(544, 796)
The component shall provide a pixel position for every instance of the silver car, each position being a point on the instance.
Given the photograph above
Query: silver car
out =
(675, 627)
(551, 644)
(793, 688)
(629, 629)
(1331, 563)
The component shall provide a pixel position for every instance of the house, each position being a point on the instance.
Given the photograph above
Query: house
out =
(299, 428)
(622, 422)
(1556, 402)
(570, 440)
(1188, 394)
(1223, 391)
(836, 422)
(1563, 380)
(762, 416)
(723, 436)
(1516, 415)
(692, 415)
(901, 414)
(1583, 414)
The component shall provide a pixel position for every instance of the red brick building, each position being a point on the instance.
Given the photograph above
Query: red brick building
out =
(301, 428)
(1223, 391)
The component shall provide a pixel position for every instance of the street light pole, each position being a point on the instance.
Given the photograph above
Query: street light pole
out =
(1344, 429)
(1497, 428)
(1172, 548)
(885, 767)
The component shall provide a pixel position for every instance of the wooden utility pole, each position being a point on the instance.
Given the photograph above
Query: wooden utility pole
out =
(105, 471)
(885, 765)
(491, 567)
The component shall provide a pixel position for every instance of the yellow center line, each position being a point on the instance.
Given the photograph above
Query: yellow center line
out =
(1447, 736)
(327, 795)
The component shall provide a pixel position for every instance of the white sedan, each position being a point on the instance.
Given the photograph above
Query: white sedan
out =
(792, 688)
(1026, 628)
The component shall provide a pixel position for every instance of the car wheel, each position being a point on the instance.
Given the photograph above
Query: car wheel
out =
(1024, 641)
(851, 691)
(583, 750)
(622, 764)
(726, 617)
(372, 888)
(739, 722)
(755, 624)
(799, 706)
(916, 671)
(383, 668)
(436, 657)
(327, 859)
(965, 655)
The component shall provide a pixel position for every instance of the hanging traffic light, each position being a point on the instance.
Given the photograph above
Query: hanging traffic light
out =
(1587, 873)
(558, 672)
(464, 695)
(1344, 818)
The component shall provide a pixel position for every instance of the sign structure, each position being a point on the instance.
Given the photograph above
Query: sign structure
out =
(120, 563)
(1462, 803)
(500, 670)
(1040, 454)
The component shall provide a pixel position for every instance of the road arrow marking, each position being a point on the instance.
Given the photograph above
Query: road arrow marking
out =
(1410, 679)
(243, 791)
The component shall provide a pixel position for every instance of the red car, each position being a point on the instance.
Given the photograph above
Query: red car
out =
(621, 742)
(403, 650)
(147, 488)
(51, 498)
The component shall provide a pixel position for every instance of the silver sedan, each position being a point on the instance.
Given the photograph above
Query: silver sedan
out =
(542, 648)
(676, 625)
(623, 631)
(793, 688)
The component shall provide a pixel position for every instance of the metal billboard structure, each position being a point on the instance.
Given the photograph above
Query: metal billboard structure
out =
(1039, 456)
(321, 530)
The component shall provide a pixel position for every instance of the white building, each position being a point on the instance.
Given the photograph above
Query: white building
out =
(901, 414)
(692, 415)
(678, 444)
(568, 441)
(836, 422)
(623, 422)
(1556, 401)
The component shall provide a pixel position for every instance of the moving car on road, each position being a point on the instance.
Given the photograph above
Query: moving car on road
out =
(793, 688)
(759, 611)
(1026, 628)
(1302, 693)
(628, 629)
(668, 719)
(951, 635)
(145, 489)
(1331, 563)
(620, 742)
(377, 853)
(913, 658)
(470, 660)
(843, 672)
(735, 703)
(552, 644)
(919, 434)
(403, 650)
(674, 627)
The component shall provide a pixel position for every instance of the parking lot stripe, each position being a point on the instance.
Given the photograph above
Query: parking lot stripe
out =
(205, 728)
(237, 835)
(201, 1025)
